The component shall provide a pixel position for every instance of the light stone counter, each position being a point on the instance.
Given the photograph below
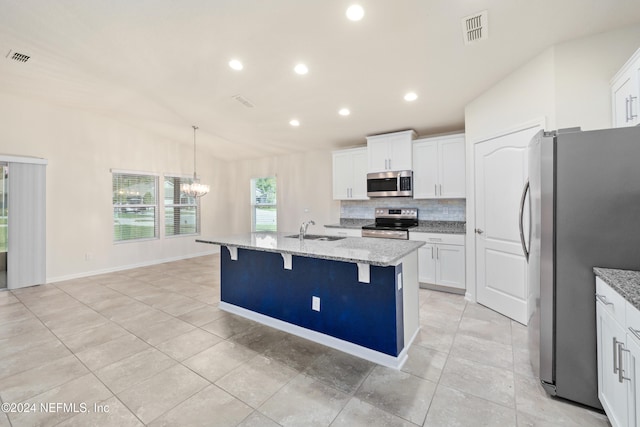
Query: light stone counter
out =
(625, 282)
(363, 250)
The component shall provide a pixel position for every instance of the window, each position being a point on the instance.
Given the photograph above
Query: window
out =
(134, 206)
(263, 202)
(181, 212)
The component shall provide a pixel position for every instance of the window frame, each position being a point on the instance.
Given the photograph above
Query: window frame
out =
(154, 206)
(182, 179)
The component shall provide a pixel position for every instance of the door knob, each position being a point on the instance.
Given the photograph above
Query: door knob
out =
(479, 230)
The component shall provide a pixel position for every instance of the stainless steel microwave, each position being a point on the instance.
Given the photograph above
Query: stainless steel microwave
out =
(390, 184)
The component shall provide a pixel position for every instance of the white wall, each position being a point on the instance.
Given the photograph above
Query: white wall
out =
(303, 183)
(583, 72)
(81, 148)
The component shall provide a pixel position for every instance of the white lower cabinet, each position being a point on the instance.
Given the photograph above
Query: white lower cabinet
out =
(618, 345)
(441, 261)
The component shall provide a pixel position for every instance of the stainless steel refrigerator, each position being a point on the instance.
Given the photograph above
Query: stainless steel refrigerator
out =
(584, 202)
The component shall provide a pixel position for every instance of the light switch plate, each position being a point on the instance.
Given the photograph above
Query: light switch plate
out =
(315, 303)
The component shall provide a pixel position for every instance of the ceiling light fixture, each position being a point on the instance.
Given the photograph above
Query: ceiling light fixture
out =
(355, 12)
(294, 122)
(344, 112)
(301, 69)
(411, 96)
(195, 188)
(236, 65)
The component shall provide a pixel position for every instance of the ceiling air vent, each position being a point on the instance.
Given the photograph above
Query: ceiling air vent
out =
(17, 56)
(475, 27)
(244, 101)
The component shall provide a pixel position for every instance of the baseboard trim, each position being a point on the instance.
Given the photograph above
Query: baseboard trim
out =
(338, 344)
(128, 266)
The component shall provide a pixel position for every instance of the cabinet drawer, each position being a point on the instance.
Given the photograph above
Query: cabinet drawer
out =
(612, 301)
(633, 321)
(437, 238)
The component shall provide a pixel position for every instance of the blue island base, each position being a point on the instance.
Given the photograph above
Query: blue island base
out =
(324, 301)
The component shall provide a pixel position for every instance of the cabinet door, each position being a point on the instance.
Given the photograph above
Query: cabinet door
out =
(425, 171)
(450, 268)
(378, 153)
(612, 393)
(359, 179)
(632, 370)
(342, 175)
(451, 167)
(400, 153)
(621, 94)
(427, 264)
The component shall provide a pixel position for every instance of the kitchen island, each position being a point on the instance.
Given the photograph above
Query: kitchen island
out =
(358, 295)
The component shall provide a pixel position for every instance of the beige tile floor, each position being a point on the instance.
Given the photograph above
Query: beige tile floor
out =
(151, 346)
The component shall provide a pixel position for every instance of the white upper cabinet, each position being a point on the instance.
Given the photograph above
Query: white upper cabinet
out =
(625, 89)
(439, 167)
(350, 174)
(391, 151)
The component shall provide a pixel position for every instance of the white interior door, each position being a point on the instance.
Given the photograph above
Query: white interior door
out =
(501, 267)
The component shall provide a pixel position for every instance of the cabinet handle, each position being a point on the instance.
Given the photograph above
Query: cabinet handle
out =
(603, 299)
(435, 189)
(635, 332)
(631, 115)
(626, 110)
(440, 185)
(615, 355)
(389, 164)
(621, 376)
(437, 252)
(431, 252)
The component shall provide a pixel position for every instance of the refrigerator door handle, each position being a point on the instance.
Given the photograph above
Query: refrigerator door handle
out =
(523, 198)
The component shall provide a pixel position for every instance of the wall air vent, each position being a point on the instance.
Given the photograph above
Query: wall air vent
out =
(17, 56)
(244, 101)
(475, 27)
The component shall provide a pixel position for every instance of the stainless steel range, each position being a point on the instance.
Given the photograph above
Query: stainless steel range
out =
(392, 223)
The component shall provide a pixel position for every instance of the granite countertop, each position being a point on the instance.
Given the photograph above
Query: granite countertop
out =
(381, 252)
(446, 227)
(625, 282)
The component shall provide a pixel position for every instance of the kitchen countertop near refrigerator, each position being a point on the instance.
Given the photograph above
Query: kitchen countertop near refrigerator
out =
(625, 282)
(445, 227)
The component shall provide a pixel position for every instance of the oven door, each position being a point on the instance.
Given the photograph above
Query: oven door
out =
(390, 184)
(387, 234)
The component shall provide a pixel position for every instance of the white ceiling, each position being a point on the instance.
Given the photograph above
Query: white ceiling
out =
(162, 65)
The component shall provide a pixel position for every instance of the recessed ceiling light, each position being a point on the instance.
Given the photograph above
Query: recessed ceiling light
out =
(411, 96)
(294, 122)
(344, 112)
(355, 12)
(301, 69)
(235, 64)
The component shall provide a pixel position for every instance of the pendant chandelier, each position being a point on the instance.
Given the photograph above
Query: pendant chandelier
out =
(195, 188)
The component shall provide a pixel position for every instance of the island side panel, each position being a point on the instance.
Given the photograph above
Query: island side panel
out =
(366, 314)
(411, 297)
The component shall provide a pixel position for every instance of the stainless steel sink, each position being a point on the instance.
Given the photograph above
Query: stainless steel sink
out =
(319, 237)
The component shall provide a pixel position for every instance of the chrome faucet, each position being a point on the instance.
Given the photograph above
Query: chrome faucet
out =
(303, 228)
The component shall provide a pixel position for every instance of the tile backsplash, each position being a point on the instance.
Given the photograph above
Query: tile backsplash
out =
(428, 209)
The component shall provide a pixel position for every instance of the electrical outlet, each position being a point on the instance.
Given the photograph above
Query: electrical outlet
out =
(315, 303)
(88, 256)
